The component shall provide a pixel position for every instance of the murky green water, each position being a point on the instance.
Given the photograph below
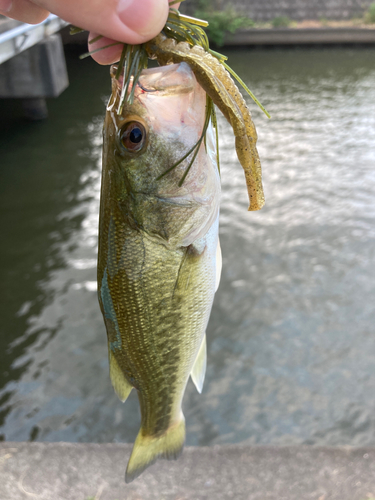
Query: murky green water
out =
(291, 341)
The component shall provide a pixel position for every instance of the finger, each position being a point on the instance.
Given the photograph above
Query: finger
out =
(23, 10)
(129, 21)
(105, 56)
(110, 55)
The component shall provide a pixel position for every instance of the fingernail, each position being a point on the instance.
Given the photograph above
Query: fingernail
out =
(143, 17)
(5, 5)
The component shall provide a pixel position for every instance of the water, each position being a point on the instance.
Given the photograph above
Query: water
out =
(291, 345)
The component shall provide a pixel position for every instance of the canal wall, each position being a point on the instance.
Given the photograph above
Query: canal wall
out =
(266, 10)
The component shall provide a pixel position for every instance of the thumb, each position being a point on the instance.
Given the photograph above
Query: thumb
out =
(144, 18)
(129, 21)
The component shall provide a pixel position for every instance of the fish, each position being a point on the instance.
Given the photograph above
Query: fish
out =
(159, 257)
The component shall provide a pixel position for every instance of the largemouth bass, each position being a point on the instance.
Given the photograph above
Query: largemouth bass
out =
(159, 259)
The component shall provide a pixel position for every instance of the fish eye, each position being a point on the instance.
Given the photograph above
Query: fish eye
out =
(133, 136)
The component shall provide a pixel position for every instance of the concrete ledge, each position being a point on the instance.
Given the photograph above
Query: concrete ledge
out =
(66, 471)
(303, 36)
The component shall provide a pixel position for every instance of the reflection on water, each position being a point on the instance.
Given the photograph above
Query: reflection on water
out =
(291, 339)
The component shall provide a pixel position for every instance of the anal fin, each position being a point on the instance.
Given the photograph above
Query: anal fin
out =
(199, 369)
(121, 386)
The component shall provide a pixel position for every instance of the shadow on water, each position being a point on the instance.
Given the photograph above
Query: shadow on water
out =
(291, 352)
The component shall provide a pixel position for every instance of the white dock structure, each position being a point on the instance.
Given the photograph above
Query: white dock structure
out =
(16, 37)
(32, 63)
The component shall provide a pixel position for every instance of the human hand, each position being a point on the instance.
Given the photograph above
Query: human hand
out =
(129, 21)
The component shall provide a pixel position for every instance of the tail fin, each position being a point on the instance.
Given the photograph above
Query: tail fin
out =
(148, 448)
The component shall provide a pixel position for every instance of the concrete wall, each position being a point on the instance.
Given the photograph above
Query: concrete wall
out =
(78, 471)
(265, 10)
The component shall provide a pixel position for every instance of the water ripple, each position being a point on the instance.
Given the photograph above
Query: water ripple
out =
(291, 350)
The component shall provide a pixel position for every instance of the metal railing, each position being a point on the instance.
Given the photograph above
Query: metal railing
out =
(20, 38)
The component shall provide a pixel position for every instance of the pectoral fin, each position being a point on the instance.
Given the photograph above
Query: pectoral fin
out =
(199, 369)
(119, 382)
